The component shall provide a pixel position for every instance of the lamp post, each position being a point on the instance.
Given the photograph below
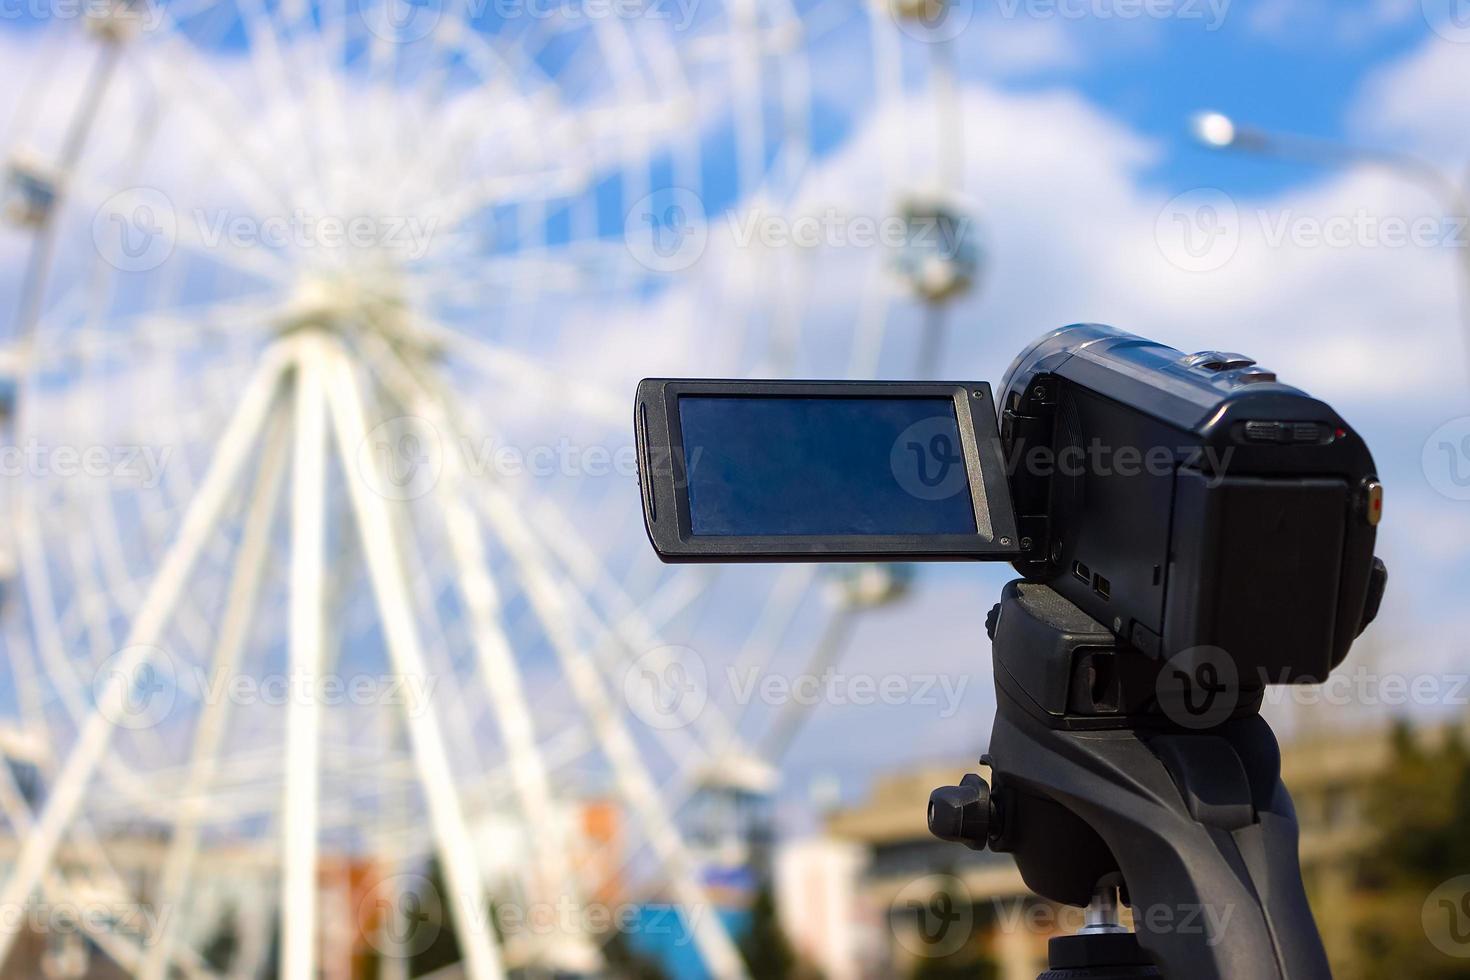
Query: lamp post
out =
(1220, 132)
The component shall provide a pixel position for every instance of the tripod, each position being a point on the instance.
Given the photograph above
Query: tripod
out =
(1122, 779)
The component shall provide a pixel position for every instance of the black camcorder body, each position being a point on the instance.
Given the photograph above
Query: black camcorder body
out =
(1192, 501)
(1187, 502)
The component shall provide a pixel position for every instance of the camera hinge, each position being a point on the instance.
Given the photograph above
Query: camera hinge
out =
(1028, 423)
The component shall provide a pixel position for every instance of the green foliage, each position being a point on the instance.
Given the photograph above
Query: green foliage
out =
(969, 961)
(1419, 810)
(223, 946)
(765, 947)
(444, 950)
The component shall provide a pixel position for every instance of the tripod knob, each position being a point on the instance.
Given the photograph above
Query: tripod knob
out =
(962, 814)
(991, 619)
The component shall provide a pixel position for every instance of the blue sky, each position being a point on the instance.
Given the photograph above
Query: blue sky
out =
(1075, 145)
(1296, 67)
(1339, 71)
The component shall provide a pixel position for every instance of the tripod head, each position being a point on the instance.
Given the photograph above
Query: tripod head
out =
(1189, 531)
(1177, 800)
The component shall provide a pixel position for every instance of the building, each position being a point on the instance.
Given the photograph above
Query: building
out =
(921, 898)
(879, 880)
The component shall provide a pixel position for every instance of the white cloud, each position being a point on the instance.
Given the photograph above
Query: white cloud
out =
(1071, 228)
(1419, 102)
(1072, 233)
(1008, 48)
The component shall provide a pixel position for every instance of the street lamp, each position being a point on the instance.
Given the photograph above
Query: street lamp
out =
(1213, 129)
(1220, 132)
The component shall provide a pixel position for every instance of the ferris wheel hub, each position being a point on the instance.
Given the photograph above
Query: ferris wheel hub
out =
(353, 304)
(118, 21)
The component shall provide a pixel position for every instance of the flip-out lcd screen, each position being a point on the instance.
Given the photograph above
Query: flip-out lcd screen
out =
(822, 471)
(824, 466)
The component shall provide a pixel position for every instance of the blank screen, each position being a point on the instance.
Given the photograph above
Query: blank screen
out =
(824, 466)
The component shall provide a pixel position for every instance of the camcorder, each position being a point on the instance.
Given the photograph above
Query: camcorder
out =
(1188, 531)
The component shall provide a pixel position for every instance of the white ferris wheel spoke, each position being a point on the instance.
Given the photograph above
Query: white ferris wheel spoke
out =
(67, 889)
(790, 717)
(299, 869)
(23, 671)
(796, 96)
(501, 675)
(160, 330)
(87, 753)
(790, 590)
(520, 370)
(255, 539)
(92, 608)
(77, 891)
(628, 630)
(555, 272)
(223, 119)
(69, 677)
(948, 119)
(676, 597)
(867, 346)
(36, 279)
(50, 645)
(478, 154)
(274, 74)
(455, 846)
(553, 610)
(42, 602)
(635, 784)
(453, 698)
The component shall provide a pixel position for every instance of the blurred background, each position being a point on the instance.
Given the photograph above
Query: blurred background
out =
(333, 645)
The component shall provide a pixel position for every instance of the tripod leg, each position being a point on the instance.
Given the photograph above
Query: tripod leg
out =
(1199, 826)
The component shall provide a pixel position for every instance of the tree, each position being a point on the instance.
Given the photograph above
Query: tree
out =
(969, 961)
(1420, 811)
(443, 950)
(223, 946)
(764, 946)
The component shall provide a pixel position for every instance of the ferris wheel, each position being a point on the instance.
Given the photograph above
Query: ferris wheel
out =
(315, 378)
